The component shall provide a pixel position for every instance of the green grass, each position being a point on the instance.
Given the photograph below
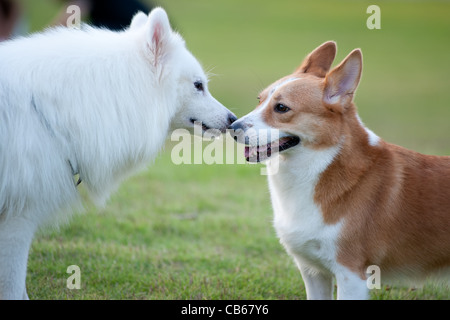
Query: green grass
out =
(205, 231)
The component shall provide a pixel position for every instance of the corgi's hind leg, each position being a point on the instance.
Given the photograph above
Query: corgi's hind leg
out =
(16, 235)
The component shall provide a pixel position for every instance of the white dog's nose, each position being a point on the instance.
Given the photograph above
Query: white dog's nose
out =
(231, 119)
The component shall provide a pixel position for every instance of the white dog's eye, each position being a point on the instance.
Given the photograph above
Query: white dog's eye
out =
(199, 86)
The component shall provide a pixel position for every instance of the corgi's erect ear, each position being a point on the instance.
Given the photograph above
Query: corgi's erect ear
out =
(158, 34)
(342, 81)
(319, 61)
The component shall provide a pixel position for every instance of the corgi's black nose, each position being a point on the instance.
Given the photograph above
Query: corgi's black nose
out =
(236, 125)
(236, 129)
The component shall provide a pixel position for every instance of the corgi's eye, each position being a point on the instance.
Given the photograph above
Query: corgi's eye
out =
(199, 86)
(281, 108)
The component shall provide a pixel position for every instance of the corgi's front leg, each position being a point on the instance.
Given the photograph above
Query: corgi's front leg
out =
(318, 285)
(350, 286)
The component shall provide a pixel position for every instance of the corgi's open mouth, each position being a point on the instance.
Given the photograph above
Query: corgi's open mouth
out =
(261, 153)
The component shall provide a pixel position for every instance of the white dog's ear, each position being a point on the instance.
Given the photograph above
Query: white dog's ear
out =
(342, 81)
(158, 36)
(139, 19)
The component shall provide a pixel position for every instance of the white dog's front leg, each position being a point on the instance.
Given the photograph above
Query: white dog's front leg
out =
(350, 286)
(16, 235)
(319, 286)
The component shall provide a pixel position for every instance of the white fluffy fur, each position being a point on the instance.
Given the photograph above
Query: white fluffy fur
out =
(92, 101)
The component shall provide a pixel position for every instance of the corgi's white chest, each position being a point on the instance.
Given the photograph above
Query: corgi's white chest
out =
(298, 220)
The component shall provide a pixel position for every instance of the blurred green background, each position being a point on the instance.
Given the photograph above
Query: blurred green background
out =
(204, 231)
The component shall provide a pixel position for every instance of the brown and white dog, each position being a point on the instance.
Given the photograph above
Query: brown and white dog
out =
(343, 198)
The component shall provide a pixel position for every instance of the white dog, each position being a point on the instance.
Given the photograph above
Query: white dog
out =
(91, 102)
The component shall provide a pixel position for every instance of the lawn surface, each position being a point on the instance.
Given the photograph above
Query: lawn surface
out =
(205, 231)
